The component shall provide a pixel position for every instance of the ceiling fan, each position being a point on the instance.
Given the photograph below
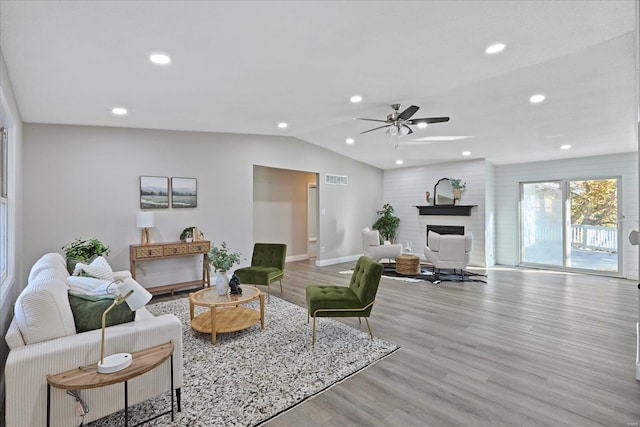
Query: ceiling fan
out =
(398, 123)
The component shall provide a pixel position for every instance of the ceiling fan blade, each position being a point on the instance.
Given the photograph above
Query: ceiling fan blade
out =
(372, 120)
(428, 120)
(410, 111)
(370, 130)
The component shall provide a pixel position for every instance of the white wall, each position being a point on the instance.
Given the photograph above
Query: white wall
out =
(82, 181)
(280, 208)
(508, 178)
(405, 188)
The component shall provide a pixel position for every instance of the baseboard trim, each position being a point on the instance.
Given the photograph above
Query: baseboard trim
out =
(326, 262)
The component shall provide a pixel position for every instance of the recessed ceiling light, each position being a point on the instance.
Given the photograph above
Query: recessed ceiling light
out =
(495, 48)
(466, 153)
(399, 162)
(536, 99)
(159, 58)
(119, 111)
(282, 125)
(422, 125)
(350, 140)
(565, 147)
(355, 99)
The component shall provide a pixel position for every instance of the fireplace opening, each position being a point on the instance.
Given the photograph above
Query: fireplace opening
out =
(445, 229)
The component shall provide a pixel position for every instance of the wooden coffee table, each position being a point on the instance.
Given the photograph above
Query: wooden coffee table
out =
(225, 312)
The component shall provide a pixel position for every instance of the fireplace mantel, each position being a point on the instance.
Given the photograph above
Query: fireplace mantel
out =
(459, 210)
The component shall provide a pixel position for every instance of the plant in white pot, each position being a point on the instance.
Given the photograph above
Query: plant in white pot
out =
(221, 259)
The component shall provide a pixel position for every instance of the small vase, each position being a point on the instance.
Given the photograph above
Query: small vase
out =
(457, 192)
(222, 282)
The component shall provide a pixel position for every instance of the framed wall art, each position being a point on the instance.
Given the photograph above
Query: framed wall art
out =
(184, 193)
(154, 192)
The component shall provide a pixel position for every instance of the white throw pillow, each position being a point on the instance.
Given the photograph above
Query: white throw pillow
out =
(91, 285)
(99, 268)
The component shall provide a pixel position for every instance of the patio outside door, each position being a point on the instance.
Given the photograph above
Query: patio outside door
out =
(571, 225)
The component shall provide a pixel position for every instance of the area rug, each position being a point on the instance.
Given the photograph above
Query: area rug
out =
(251, 376)
(389, 271)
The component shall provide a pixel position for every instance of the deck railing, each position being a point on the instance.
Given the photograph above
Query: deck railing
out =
(594, 237)
(589, 237)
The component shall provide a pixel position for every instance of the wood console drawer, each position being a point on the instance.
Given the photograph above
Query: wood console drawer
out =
(148, 252)
(199, 247)
(175, 250)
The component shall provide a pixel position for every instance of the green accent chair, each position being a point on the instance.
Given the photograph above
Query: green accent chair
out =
(267, 265)
(341, 301)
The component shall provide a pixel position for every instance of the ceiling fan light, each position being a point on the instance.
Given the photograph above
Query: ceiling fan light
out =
(422, 125)
(393, 131)
(404, 131)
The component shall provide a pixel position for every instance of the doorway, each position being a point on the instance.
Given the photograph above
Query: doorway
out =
(312, 219)
(571, 224)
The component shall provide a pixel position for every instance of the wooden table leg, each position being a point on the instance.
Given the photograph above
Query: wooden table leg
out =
(213, 324)
(261, 311)
(190, 308)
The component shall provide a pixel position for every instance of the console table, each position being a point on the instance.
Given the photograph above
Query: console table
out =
(154, 251)
(89, 377)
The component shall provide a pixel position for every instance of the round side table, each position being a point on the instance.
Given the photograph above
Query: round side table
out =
(407, 264)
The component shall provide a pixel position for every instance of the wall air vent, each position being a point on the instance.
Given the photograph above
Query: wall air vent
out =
(336, 179)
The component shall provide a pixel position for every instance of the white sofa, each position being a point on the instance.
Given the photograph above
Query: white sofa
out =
(42, 340)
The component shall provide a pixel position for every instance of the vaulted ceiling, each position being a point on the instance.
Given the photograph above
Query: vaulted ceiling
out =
(245, 66)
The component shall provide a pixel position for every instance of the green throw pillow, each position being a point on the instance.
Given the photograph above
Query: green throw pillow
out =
(87, 312)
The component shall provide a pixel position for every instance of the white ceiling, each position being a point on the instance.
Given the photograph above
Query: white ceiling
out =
(244, 66)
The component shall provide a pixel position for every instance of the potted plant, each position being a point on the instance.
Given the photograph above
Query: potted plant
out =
(387, 223)
(458, 187)
(221, 259)
(191, 234)
(84, 251)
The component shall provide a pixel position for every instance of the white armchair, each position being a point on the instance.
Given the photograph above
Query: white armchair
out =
(373, 249)
(449, 251)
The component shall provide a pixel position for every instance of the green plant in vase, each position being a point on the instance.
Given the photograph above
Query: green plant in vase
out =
(222, 259)
(84, 251)
(387, 223)
(458, 187)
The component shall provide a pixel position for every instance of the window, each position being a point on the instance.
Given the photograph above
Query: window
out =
(3, 204)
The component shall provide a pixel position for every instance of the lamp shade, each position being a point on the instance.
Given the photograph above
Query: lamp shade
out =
(138, 298)
(144, 219)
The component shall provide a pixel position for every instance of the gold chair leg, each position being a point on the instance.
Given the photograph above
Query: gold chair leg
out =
(268, 293)
(280, 285)
(313, 334)
(369, 326)
(359, 320)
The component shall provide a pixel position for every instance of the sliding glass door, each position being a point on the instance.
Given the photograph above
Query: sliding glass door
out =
(541, 235)
(571, 224)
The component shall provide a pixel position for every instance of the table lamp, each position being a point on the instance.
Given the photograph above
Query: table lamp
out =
(136, 297)
(144, 220)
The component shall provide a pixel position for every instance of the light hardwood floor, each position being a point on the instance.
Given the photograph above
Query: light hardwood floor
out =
(528, 348)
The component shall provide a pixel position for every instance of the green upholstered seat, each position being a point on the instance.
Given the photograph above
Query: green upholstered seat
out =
(341, 301)
(267, 265)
